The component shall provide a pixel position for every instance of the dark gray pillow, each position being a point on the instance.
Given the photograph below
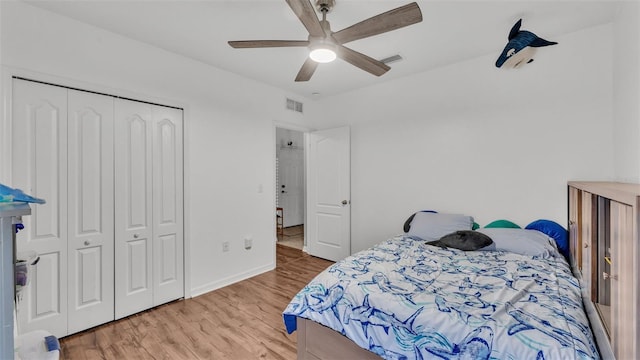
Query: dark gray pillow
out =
(466, 240)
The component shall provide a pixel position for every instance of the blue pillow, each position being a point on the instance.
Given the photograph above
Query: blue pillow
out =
(554, 231)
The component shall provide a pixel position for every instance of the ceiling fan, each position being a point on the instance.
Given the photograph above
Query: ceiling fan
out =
(326, 45)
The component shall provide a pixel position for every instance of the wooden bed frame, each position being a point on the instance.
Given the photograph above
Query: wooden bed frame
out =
(316, 341)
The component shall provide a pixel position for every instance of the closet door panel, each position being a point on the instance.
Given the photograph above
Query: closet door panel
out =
(133, 204)
(91, 192)
(39, 167)
(623, 284)
(167, 205)
(588, 243)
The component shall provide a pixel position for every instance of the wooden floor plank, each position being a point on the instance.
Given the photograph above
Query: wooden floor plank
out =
(240, 321)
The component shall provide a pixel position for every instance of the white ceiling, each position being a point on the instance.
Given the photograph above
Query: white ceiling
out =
(451, 31)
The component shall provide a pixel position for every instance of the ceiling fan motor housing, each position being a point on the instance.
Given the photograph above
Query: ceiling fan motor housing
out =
(324, 6)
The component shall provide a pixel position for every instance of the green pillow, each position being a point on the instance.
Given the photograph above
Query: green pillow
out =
(503, 224)
(475, 226)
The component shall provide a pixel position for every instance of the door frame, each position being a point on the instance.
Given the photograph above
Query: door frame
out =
(7, 73)
(305, 135)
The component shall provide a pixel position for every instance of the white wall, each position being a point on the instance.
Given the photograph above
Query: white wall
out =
(486, 142)
(626, 92)
(229, 138)
(465, 138)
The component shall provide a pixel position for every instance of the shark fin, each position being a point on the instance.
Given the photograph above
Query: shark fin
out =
(412, 318)
(515, 29)
(514, 329)
(540, 42)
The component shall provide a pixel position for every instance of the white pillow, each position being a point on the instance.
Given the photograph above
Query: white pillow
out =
(521, 241)
(433, 226)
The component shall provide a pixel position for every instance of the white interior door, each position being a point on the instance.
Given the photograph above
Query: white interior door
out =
(329, 194)
(90, 190)
(39, 167)
(133, 211)
(291, 187)
(168, 249)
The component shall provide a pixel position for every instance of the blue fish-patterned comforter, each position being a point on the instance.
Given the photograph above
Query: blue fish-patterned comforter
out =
(403, 299)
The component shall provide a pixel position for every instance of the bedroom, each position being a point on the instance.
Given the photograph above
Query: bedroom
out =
(519, 135)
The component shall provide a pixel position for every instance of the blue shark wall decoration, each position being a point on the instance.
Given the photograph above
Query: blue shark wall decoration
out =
(521, 48)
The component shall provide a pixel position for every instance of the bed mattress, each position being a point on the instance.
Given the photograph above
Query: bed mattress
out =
(403, 299)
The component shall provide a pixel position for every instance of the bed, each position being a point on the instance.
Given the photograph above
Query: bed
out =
(407, 299)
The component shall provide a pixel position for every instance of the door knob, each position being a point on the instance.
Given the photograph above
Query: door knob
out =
(87, 243)
(135, 236)
(345, 202)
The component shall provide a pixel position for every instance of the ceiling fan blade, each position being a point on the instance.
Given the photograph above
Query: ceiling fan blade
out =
(307, 70)
(388, 21)
(307, 15)
(247, 44)
(362, 61)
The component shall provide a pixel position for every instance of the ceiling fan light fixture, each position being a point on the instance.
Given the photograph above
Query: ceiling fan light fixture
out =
(322, 54)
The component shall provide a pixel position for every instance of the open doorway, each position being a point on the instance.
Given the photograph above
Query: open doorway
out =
(290, 187)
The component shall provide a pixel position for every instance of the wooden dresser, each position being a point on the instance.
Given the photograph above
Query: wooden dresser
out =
(604, 235)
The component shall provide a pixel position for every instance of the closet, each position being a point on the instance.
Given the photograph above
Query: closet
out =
(110, 237)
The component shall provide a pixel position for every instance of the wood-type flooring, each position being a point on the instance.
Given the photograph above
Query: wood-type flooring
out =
(240, 321)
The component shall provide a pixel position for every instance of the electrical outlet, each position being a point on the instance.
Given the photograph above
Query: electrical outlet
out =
(248, 243)
(225, 246)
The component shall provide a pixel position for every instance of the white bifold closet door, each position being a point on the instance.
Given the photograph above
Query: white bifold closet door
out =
(148, 221)
(39, 167)
(90, 213)
(110, 237)
(62, 151)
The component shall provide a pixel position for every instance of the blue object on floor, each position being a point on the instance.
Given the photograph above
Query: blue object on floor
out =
(52, 343)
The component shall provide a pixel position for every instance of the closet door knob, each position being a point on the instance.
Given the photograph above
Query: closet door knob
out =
(87, 243)
(135, 236)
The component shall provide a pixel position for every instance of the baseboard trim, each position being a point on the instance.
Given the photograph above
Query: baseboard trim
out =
(203, 289)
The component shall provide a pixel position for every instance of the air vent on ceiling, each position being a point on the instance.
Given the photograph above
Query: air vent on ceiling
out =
(391, 59)
(294, 105)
